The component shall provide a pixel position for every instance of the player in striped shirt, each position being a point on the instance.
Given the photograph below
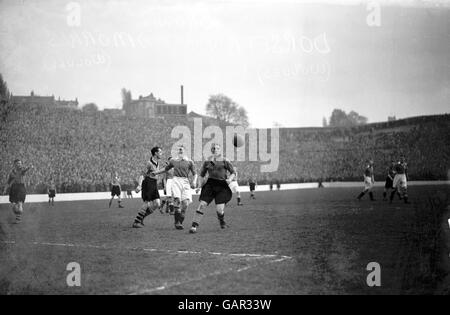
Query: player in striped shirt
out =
(149, 187)
(16, 185)
(389, 179)
(115, 189)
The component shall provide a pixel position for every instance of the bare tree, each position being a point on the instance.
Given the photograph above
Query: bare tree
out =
(339, 118)
(90, 107)
(4, 92)
(224, 108)
(6, 105)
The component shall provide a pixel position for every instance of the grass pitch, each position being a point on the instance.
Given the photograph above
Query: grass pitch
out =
(311, 241)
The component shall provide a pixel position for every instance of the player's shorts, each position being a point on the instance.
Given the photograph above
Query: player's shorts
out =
(51, 193)
(389, 184)
(234, 186)
(181, 188)
(252, 187)
(149, 189)
(400, 182)
(169, 185)
(368, 184)
(115, 191)
(17, 193)
(216, 190)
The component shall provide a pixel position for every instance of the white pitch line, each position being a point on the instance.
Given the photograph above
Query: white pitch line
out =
(215, 273)
(177, 283)
(170, 251)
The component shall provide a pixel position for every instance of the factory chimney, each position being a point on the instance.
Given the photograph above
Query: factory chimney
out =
(182, 101)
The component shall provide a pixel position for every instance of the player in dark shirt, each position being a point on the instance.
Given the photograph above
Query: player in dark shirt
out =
(17, 192)
(400, 180)
(216, 187)
(149, 187)
(51, 190)
(252, 185)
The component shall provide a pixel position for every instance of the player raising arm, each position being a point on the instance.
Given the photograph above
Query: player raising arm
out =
(17, 192)
(369, 181)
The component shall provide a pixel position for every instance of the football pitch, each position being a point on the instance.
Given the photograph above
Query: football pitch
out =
(309, 241)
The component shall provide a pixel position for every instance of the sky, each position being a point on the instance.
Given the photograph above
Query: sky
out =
(287, 62)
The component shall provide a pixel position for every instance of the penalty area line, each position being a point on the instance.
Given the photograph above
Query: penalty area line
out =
(168, 285)
(167, 251)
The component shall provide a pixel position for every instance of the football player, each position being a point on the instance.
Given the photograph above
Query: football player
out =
(369, 181)
(149, 186)
(234, 186)
(115, 189)
(400, 180)
(17, 192)
(216, 187)
(181, 184)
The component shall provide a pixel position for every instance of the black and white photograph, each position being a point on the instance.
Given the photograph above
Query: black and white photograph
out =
(224, 153)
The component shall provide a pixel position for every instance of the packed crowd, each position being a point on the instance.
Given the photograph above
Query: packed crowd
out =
(80, 150)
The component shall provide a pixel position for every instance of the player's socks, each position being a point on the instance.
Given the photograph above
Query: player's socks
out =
(198, 216)
(239, 201)
(384, 195)
(14, 208)
(371, 196)
(405, 198)
(171, 210)
(391, 198)
(110, 202)
(18, 218)
(182, 215)
(143, 212)
(361, 195)
(178, 219)
(193, 227)
(221, 217)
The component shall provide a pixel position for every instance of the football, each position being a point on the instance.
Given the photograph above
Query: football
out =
(238, 141)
